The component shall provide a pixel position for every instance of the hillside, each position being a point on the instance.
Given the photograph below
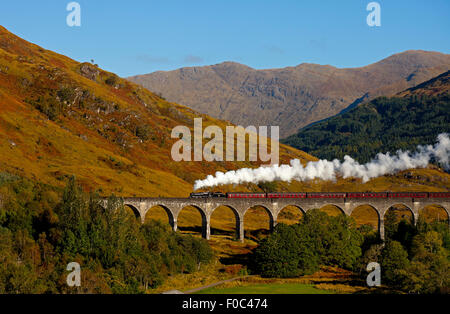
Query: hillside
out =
(413, 117)
(59, 117)
(291, 97)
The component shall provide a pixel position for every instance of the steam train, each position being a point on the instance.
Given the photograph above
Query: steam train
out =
(204, 195)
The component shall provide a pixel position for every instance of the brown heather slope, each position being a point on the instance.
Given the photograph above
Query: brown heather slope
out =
(59, 117)
(437, 86)
(291, 97)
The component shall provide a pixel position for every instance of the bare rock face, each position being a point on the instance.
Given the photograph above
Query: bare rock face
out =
(89, 71)
(291, 97)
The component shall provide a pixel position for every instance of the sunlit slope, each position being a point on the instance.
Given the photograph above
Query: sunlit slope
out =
(59, 117)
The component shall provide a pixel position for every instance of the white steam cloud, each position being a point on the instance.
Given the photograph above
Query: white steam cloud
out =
(328, 170)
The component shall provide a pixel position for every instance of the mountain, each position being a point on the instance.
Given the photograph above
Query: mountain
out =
(412, 117)
(59, 117)
(291, 97)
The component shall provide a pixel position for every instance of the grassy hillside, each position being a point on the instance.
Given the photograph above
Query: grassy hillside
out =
(59, 117)
(404, 121)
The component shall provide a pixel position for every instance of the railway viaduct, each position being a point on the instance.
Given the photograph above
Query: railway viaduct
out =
(173, 207)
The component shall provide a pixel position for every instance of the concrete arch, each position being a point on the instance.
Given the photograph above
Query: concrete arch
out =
(421, 210)
(302, 211)
(168, 211)
(378, 226)
(270, 213)
(206, 229)
(234, 210)
(237, 218)
(413, 214)
(135, 210)
(393, 203)
(293, 205)
(197, 206)
(331, 204)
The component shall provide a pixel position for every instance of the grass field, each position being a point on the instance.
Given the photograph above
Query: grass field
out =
(328, 280)
(288, 288)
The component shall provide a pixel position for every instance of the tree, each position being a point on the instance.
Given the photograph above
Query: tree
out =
(429, 271)
(393, 259)
(300, 249)
(279, 254)
(42, 232)
(73, 213)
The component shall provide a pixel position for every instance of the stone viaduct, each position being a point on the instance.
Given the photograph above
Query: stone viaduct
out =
(173, 207)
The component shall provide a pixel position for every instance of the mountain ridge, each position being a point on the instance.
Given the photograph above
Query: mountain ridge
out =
(291, 97)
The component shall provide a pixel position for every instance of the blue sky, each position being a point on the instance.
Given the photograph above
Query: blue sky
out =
(141, 36)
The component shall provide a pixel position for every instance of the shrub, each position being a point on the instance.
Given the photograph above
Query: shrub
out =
(112, 80)
(143, 132)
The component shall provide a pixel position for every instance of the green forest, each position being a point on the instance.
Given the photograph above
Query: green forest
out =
(413, 258)
(43, 229)
(382, 125)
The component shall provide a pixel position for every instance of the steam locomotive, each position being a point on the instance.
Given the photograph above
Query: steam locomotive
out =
(204, 195)
(208, 195)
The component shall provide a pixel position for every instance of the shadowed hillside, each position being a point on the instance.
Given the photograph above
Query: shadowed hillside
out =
(413, 117)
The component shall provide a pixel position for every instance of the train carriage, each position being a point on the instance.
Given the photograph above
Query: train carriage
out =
(246, 195)
(408, 195)
(286, 195)
(326, 195)
(439, 194)
(367, 195)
